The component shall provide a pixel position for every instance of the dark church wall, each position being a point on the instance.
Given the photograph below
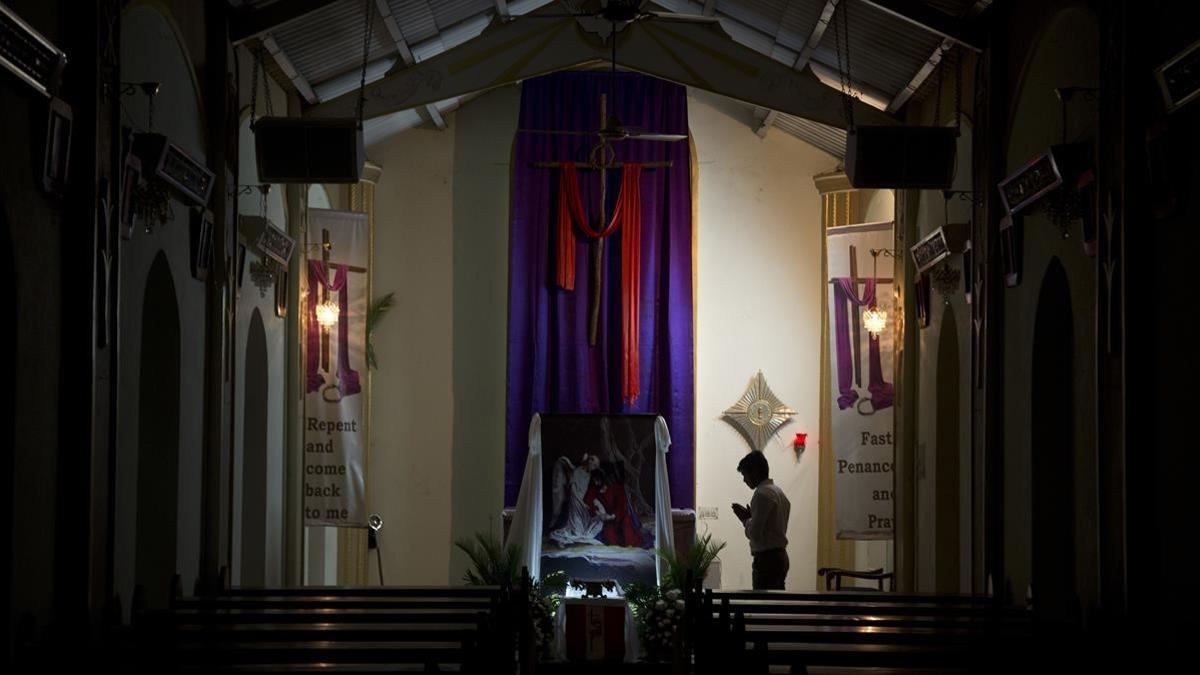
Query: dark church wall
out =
(35, 225)
(84, 479)
(1013, 114)
(153, 49)
(1129, 468)
(1079, 429)
(1157, 211)
(1034, 126)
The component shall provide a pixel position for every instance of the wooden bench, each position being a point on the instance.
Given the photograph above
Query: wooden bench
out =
(833, 578)
(775, 631)
(343, 630)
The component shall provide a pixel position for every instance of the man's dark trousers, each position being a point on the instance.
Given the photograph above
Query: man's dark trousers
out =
(770, 569)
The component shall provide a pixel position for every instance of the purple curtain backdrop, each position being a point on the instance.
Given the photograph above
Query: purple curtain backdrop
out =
(551, 367)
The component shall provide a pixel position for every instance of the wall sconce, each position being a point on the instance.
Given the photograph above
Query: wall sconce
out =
(799, 443)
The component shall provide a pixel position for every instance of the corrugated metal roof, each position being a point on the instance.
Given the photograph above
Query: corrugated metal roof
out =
(885, 52)
(822, 136)
(761, 15)
(415, 18)
(450, 12)
(329, 42)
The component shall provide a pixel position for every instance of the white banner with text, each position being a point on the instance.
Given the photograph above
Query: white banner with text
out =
(860, 266)
(335, 312)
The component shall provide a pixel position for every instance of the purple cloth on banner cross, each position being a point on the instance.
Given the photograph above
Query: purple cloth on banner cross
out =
(347, 378)
(551, 366)
(845, 293)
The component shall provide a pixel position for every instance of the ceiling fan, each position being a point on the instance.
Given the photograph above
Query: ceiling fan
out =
(614, 12)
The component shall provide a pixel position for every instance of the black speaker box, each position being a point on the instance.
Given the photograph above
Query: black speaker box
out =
(300, 150)
(901, 157)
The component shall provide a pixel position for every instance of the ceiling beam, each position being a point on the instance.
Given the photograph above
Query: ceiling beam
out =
(393, 29)
(502, 9)
(289, 69)
(932, 62)
(435, 116)
(767, 121)
(806, 52)
(818, 32)
(922, 74)
(923, 16)
(406, 55)
(250, 23)
(700, 55)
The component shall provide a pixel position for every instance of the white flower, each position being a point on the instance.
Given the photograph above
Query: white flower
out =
(673, 594)
(660, 605)
(678, 604)
(670, 612)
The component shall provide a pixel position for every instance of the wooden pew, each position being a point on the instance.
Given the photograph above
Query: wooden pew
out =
(344, 630)
(775, 631)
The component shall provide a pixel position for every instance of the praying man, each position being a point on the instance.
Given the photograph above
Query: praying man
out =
(766, 522)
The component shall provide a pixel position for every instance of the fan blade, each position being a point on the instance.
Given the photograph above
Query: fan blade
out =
(556, 132)
(645, 135)
(657, 137)
(682, 18)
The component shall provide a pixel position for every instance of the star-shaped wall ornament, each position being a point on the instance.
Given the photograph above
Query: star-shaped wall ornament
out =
(758, 414)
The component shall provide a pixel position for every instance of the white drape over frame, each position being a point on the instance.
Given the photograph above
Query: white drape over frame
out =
(526, 529)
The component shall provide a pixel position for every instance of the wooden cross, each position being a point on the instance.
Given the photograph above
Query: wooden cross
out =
(855, 319)
(599, 163)
(326, 247)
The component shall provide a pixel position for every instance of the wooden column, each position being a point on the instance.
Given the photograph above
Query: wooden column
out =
(352, 541)
(217, 468)
(838, 204)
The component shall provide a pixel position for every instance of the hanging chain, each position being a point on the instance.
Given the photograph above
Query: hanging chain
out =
(369, 16)
(262, 65)
(937, 98)
(612, 79)
(958, 93)
(254, 85)
(842, 47)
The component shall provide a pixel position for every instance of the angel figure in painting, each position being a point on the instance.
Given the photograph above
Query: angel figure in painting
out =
(572, 521)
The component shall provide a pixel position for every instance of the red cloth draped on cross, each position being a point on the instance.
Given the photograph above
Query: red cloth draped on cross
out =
(627, 216)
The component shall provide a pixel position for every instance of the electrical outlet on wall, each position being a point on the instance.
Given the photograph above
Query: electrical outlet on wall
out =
(708, 513)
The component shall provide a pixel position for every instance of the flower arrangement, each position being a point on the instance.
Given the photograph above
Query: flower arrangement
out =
(494, 564)
(659, 610)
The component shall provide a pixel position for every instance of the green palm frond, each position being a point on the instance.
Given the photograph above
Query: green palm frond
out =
(494, 564)
(374, 315)
(553, 583)
(696, 561)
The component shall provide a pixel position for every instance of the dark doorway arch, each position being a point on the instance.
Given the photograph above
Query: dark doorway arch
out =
(158, 435)
(947, 435)
(254, 456)
(1052, 443)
